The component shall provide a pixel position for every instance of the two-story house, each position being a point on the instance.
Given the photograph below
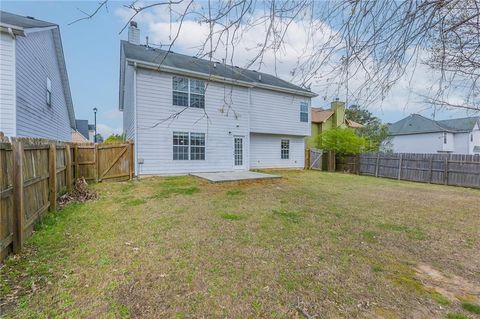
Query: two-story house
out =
(187, 114)
(418, 134)
(35, 99)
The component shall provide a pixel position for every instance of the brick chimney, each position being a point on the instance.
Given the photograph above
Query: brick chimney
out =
(133, 33)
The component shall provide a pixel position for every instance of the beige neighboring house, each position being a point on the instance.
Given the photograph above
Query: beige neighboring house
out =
(78, 137)
(328, 119)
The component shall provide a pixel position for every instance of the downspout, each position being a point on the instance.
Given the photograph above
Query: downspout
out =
(135, 116)
(10, 31)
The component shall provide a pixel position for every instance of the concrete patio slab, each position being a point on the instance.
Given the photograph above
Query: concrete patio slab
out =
(234, 176)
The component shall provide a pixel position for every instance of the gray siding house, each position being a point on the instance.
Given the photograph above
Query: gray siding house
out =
(418, 134)
(35, 99)
(193, 115)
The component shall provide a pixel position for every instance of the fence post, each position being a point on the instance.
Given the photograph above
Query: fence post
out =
(445, 177)
(400, 167)
(68, 168)
(131, 165)
(52, 176)
(376, 164)
(18, 196)
(430, 175)
(75, 157)
(97, 175)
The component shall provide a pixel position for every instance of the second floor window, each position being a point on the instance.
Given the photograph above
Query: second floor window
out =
(303, 112)
(188, 92)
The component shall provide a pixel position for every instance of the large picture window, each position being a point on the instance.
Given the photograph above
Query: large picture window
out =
(285, 149)
(303, 112)
(188, 146)
(188, 92)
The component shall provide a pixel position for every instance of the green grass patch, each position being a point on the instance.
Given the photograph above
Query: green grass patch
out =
(235, 192)
(439, 298)
(370, 236)
(135, 202)
(456, 316)
(377, 268)
(473, 308)
(168, 191)
(287, 216)
(412, 233)
(229, 216)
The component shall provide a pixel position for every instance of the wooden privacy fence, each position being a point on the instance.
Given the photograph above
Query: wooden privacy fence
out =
(34, 173)
(447, 169)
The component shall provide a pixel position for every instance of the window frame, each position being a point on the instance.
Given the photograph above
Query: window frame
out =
(284, 151)
(304, 112)
(190, 93)
(200, 148)
(444, 137)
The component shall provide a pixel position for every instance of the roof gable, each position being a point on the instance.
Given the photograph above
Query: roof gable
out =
(23, 22)
(195, 65)
(320, 115)
(416, 124)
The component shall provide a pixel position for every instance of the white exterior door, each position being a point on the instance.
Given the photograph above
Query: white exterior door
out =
(238, 152)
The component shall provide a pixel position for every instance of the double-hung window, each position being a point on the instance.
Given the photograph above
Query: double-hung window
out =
(303, 112)
(188, 92)
(285, 149)
(188, 146)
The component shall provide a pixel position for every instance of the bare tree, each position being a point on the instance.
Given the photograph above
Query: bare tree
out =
(360, 47)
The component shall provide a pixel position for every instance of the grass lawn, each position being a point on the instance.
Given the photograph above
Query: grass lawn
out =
(312, 243)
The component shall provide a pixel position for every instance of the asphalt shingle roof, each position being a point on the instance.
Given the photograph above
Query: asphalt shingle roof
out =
(189, 63)
(23, 22)
(415, 124)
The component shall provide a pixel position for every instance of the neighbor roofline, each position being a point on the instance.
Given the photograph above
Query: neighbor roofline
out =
(215, 78)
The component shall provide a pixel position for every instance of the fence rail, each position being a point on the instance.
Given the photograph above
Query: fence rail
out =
(447, 169)
(34, 173)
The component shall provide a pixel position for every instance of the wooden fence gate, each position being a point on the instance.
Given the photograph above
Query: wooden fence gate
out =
(315, 159)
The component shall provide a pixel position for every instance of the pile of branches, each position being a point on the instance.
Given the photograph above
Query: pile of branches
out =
(80, 194)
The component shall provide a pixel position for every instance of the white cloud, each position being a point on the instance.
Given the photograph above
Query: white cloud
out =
(106, 130)
(403, 97)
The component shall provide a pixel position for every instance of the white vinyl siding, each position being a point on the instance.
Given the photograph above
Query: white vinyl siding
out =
(277, 113)
(36, 60)
(155, 127)
(7, 85)
(265, 151)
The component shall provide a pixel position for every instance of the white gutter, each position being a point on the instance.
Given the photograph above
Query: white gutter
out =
(216, 78)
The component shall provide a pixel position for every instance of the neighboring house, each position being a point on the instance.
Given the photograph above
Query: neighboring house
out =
(193, 115)
(78, 137)
(87, 130)
(35, 99)
(418, 134)
(327, 119)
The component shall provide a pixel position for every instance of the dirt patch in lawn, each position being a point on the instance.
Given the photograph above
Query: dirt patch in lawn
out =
(453, 287)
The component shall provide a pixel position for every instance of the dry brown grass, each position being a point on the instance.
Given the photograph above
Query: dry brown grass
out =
(312, 243)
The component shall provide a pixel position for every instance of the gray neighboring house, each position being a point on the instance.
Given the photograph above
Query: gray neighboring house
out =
(35, 98)
(87, 130)
(418, 134)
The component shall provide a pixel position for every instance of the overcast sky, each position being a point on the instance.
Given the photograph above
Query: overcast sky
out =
(92, 48)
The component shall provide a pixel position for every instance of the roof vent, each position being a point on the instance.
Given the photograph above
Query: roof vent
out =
(214, 64)
(259, 77)
(30, 17)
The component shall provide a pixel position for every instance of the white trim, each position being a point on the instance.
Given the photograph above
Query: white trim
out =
(38, 29)
(14, 86)
(135, 137)
(216, 78)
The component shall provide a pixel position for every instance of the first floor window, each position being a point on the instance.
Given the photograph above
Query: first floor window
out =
(49, 92)
(180, 145)
(188, 146)
(303, 112)
(285, 149)
(197, 146)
